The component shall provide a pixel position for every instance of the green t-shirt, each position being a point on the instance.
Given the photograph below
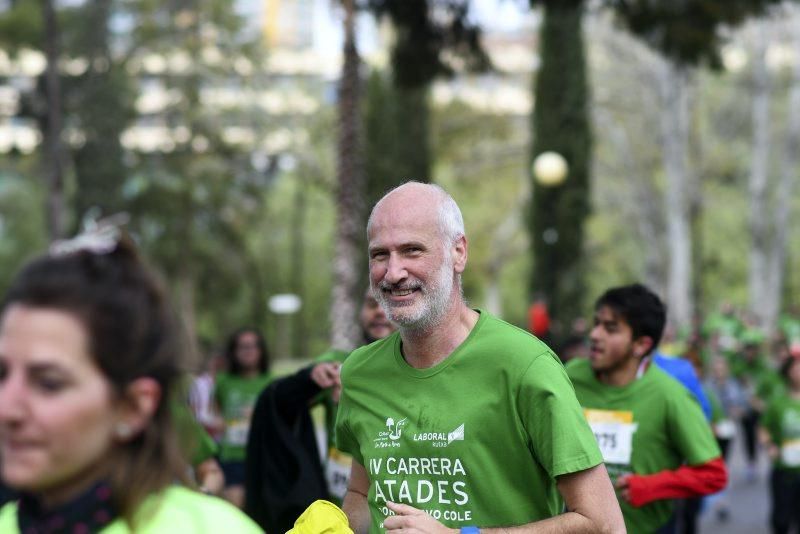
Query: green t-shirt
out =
(338, 463)
(759, 379)
(196, 444)
(650, 425)
(728, 327)
(782, 421)
(177, 509)
(790, 326)
(236, 397)
(717, 411)
(478, 439)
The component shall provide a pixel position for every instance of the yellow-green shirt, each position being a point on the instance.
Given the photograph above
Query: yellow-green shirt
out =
(176, 509)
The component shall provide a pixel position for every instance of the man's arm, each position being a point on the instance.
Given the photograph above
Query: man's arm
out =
(355, 500)
(685, 482)
(591, 507)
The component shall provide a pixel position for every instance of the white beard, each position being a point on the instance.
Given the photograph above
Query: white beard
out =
(431, 305)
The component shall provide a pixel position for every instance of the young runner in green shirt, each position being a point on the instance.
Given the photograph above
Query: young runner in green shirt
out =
(654, 438)
(781, 433)
(235, 394)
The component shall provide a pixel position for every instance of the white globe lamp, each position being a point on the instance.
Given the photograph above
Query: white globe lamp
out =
(550, 169)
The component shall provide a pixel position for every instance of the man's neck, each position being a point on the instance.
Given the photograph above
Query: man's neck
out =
(621, 375)
(425, 348)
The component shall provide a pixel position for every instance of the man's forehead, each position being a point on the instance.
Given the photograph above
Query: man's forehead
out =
(607, 313)
(401, 225)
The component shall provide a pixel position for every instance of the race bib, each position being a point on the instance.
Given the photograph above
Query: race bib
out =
(727, 342)
(614, 433)
(790, 453)
(337, 472)
(726, 429)
(236, 433)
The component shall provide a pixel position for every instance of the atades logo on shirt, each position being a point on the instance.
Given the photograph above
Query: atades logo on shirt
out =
(441, 439)
(390, 438)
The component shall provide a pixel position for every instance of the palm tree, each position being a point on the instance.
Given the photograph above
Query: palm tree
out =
(345, 333)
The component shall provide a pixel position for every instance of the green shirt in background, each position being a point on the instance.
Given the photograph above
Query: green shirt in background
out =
(652, 424)
(338, 463)
(196, 444)
(790, 326)
(476, 440)
(236, 397)
(782, 421)
(717, 411)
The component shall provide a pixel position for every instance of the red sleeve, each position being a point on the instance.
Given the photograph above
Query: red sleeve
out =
(686, 481)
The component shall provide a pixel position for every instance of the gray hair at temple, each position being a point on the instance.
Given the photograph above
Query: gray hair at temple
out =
(450, 220)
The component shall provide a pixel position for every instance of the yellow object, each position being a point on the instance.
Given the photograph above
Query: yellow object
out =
(322, 517)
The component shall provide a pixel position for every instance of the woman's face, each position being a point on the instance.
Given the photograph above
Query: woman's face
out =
(794, 373)
(57, 418)
(247, 352)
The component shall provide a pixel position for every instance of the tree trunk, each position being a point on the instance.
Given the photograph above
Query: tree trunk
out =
(645, 204)
(757, 187)
(675, 136)
(56, 223)
(345, 332)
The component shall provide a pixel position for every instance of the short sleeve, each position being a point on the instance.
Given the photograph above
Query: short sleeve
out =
(345, 438)
(560, 437)
(768, 421)
(689, 429)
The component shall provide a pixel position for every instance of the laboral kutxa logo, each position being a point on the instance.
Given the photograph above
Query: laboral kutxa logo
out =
(390, 437)
(441, 439)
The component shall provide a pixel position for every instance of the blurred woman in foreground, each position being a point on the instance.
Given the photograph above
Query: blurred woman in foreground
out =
(89, 356)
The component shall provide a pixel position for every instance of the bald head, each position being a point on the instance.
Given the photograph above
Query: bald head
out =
(426, 199)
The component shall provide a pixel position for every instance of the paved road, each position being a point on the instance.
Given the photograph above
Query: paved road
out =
(748, 501)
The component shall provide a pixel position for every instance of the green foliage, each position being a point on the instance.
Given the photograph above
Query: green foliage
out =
(425, 44)
(480, 161)
(396, 136)
(687, 31)
(22, 225)
(101, 105)
(560, 124)
(21, 25)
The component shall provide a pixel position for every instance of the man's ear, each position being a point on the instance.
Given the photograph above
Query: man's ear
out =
(642, 346)
(459, 252)
(137, 407)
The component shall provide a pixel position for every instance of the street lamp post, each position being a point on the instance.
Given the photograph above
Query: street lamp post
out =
(283, 305)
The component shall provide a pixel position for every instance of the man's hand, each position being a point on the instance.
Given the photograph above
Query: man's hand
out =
(326, 375)
(409, 520)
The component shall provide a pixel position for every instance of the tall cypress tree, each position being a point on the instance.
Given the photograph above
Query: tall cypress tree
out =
(396, 135)
(561, 124)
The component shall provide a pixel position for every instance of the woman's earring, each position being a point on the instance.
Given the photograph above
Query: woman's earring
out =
(123, 430)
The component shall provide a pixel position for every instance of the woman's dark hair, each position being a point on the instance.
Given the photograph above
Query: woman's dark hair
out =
(132, 333)
(644, 312)
(232, 362)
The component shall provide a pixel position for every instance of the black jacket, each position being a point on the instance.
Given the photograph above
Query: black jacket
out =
(283, 471)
